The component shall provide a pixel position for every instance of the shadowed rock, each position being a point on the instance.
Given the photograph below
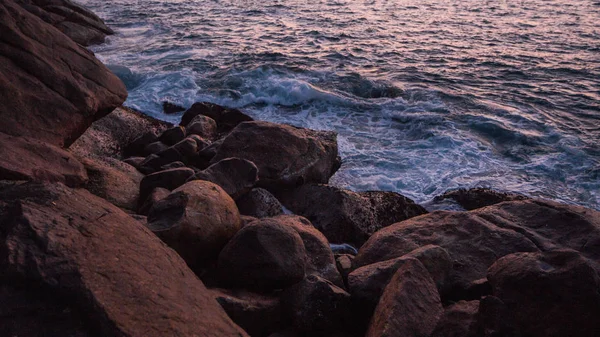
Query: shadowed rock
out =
(259, 203)
(236, 176)
(474, 198)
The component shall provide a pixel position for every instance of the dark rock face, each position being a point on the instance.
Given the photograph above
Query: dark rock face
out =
(366, 284)
(226, 119)
(196, 220)
(236, 176)
(284, 155)
(474, 198)
(320, 259)
(264, 255)
(409, 306)
(155, 196)
(169, 179)
(113, 180)
(202, 126)
(317, 307)
(548, 294)
(87, 254)
(259, 203)
(458, 320)
(259, 315)
(75, 21)
(52, 88)
(346, 216)
(173, 135)
(171, 108)
(29, 159)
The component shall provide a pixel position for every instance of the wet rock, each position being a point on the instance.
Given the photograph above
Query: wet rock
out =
(173, 135)
(56, 90)
(317, 307)
(202, 126)
(259, 203)
(348, 216)
(257, 314)
(82, 253)
(155, 196)
(284, 155)
(169, 179)
(553, 293)
(201, 108)
(264, 255)
(409, 306)
(196, 220)
(458, 320)
(236, 176)
(226, 119)
(474, 198)
(114, 181)
(320, 257)
(171, 108)
(29, 159)
(366, 284)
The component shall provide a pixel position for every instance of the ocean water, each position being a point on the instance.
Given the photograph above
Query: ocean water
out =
(426, 95)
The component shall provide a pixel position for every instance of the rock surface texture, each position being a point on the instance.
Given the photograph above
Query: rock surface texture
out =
(87, 254)
(51, 88)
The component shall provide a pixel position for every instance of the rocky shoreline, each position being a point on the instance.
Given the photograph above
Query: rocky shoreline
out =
(116, 224)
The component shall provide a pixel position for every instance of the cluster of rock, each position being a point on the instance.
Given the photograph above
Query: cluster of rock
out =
(226, 226)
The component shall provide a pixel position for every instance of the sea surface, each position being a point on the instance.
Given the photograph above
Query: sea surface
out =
(426, 95)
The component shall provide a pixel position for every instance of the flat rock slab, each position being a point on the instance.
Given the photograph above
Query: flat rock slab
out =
(29, 159)
(89, 253)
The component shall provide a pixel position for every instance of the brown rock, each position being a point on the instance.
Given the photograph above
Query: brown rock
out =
(169, 179)
(548, 294)
(134, 161)
(367, 283)
(29, 159)
(202, 126)
(348, 216)
(113, 180)
(472, 242)
(226, 119)
(257, 314)
(196, 220)
(85, 254)
(474, 198)
(320, 257)
(284, 155)
(316, 306)
(236, 176)
(458, 320)
(344, 265)
(154, 148)
(264, 255)
(54, 88)
(155, 196)
(173, 135)
(409, 306)
(259, 203)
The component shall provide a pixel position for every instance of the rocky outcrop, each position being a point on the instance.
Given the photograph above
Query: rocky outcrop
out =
(197, 220)
(474, 198)
(263, 256)
(346, 216)
(52, 89)
(226, 119)
(84, 254)
(284, 155)
(29, 159)
(75, 21)
(550, 294)
(409, 306)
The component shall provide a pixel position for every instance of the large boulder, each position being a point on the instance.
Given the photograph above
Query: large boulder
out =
(472, 242)
(236, 176)
(320, 261)
(259, 203)
(113, 180)
(71, 251)
(409, 306)
(285, 155)
(52, 89)
(75, 21)
(263, 256)
(550, 294)
(29, 159)
(346, 216)
(317, 307)
(197, 220)
(367, 283)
